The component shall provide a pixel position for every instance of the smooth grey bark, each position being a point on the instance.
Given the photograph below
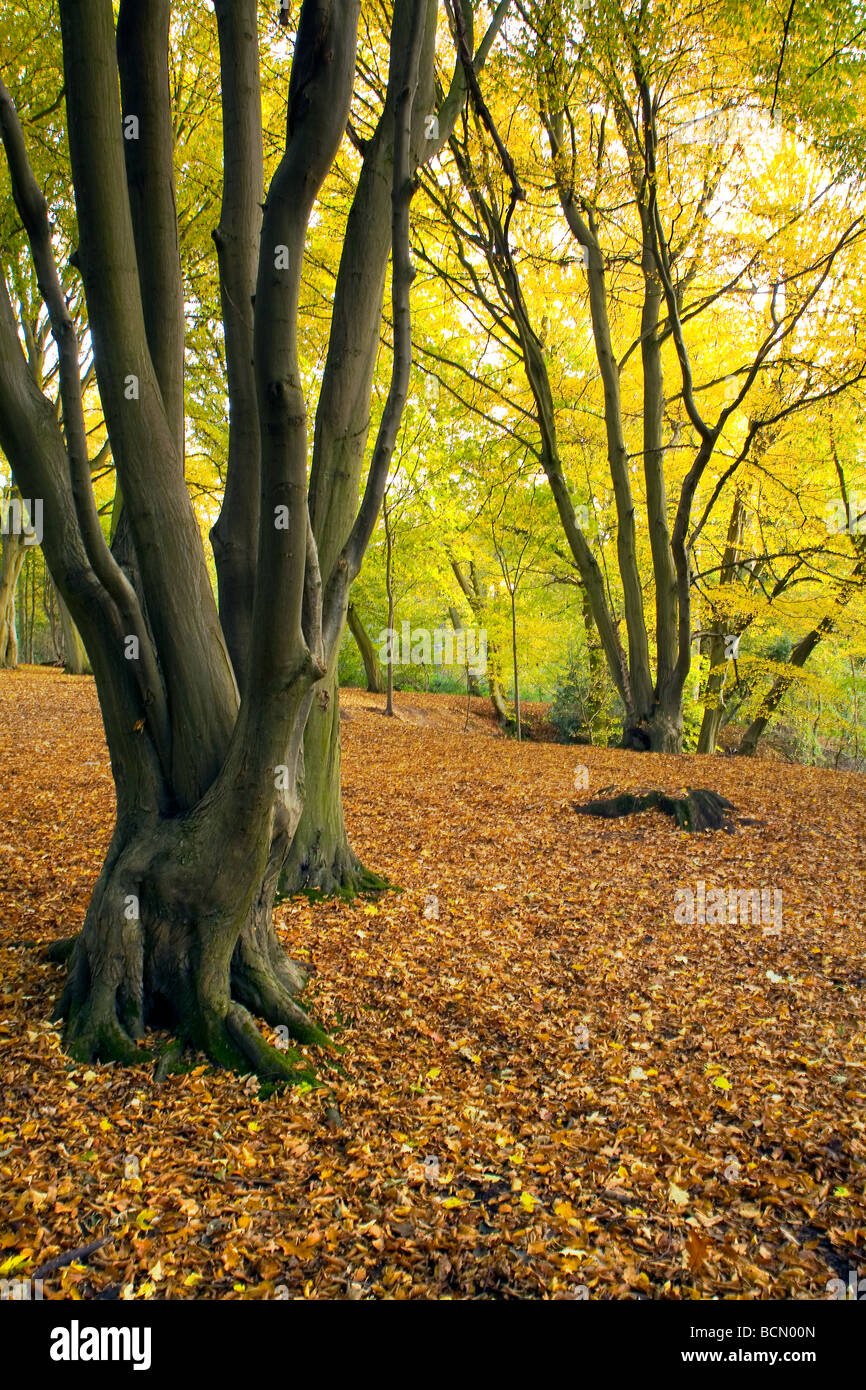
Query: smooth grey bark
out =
(142, 61)
(233, 537)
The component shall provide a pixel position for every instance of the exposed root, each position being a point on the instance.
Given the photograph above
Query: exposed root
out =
(700, 809)
(319, 874)
(262, 993)
(93, 1036)
(60, 951)
(267, 1062)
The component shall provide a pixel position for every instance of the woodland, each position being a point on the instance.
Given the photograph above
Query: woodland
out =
(432, 649)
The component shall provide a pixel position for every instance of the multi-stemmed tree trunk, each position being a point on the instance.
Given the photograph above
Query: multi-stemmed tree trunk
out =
(179, 927)
(321, 857)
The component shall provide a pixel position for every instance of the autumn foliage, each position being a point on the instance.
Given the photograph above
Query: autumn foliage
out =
(542, 1084)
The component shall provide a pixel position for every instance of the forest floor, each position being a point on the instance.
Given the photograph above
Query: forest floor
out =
(551, 1089)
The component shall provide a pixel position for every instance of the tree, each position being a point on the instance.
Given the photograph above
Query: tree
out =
(845, 587)
(615, 89)
(510, 545)
(208, 786)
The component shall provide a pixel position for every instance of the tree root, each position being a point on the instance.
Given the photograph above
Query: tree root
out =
(343, 877)
(261, 992)
(59, 951)
(700, 809)
(267, 1062)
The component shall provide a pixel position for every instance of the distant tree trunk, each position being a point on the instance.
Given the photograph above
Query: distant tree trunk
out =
(783, 682)
(714, 700)
(514, 657)
(474, 595)
(75, 659)
(11, 564)
(389, 589)
(472, 686)
(372, 669)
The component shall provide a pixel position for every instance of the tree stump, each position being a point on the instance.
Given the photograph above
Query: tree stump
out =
(698, 810)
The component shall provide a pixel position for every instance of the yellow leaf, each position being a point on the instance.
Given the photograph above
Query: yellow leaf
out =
(433, 1073)
(452, 1202)
(722, 1082)
(527, 1201)
(678, 1195)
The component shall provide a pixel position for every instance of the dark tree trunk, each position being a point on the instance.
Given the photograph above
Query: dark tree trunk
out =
(209, 790)
(699, 810)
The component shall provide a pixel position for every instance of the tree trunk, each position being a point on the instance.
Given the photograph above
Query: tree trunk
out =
(342, 427)
(514, 657)
(75, 659)
(660, 732)
(474, 595)
(389, 589)
(321, 860)
(372, 669)
(472, 686)
(775, 695)
(12, 560)
(343, 416)
(711, 722)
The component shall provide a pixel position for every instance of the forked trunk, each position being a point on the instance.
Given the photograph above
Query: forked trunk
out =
(660, 732)
(179, 935)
